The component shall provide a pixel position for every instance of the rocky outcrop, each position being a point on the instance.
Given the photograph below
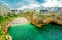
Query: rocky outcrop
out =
(38, 22)
(48, 19)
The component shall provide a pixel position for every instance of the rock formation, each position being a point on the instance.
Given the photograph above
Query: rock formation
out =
(47, 19)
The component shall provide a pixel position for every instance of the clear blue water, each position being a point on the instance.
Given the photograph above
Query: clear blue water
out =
(30, 32)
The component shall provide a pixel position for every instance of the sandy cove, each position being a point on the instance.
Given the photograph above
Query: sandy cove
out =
(19, 20)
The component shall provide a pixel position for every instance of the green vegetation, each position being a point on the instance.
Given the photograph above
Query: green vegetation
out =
(2, 34)
(5, 20)
(1, 18)
(40, 16)
(60, 14)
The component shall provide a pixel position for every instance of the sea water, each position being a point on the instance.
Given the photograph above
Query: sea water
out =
(31, 32)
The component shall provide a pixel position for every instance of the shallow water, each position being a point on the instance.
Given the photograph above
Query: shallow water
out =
(30, 32)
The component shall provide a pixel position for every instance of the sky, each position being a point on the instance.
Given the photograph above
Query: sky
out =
(22, 4)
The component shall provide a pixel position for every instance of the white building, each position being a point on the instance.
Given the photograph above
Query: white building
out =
(56, 9)
(4, 10)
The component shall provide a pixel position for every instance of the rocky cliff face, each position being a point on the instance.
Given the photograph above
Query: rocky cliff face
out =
(47, 19)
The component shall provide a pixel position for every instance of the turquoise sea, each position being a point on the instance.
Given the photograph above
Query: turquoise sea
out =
(30, 32)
